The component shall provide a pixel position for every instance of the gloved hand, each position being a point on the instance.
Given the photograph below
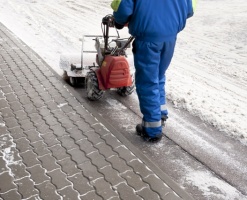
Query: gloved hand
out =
(118, 26)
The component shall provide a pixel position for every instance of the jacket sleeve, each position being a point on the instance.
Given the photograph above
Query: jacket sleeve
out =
(123, 10)
(191, 11)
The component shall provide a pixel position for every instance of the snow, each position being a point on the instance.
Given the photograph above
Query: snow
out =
(211, 186)
(208, 73)
(8, 151)
(61, 105)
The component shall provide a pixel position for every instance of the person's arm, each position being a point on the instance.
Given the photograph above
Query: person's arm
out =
(123, 10)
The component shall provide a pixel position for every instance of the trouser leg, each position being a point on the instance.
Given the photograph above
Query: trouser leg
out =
(147, 60)
(151, 62)
(165, 60)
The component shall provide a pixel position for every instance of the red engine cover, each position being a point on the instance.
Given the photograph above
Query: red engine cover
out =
(114, 73)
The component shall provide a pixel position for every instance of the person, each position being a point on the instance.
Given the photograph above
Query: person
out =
(154, 25)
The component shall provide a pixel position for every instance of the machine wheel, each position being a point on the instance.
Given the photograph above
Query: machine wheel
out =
(92, 86)
(65, 76)
(126, 91)
(74, 81)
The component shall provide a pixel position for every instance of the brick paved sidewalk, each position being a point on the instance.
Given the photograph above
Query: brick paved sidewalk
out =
(51, 147)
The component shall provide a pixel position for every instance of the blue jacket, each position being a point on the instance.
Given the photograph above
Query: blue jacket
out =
(153, 20)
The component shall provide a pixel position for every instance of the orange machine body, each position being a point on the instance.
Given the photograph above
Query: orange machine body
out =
(114, 73)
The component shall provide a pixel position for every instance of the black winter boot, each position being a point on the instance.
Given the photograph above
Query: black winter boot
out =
(163, 120)
(145, 136)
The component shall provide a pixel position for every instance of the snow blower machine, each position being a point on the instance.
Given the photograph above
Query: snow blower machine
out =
(111, 70)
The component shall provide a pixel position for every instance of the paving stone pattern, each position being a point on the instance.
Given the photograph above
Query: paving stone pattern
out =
(52, 148)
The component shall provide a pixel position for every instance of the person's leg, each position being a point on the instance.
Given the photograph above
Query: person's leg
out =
(165, 60)
(147, 59)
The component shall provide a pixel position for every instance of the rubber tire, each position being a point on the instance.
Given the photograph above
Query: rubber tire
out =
(73, 81)
(126, 91)
(92, 87)
(65, 76)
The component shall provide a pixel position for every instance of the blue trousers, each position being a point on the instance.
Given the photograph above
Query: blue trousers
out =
(151, 61)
